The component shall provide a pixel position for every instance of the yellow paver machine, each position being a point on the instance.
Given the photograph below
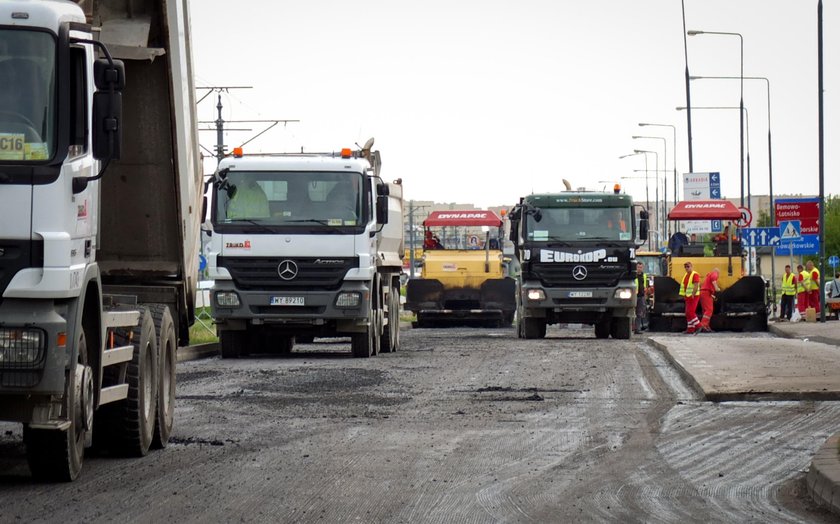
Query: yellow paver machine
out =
(742, 304)
(463, 277)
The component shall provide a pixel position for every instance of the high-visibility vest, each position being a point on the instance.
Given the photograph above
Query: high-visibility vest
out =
(789, 284)
(690, 289)
(805, 284)
(644, 283)
(813, 285)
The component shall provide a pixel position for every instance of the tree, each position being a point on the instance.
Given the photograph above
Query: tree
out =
(832, 225)
(764, 219)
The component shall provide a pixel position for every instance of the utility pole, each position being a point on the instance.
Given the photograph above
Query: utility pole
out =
(219, 123)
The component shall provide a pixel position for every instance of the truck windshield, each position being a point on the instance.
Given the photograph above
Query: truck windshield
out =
(27, 98)
(290, 199)
(580, 223)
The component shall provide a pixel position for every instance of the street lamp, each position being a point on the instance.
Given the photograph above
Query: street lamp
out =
(658, 214)
(664, 169)
(769, 156)
(674, 129)
(647, 191)
(746, 116)
(741, 105)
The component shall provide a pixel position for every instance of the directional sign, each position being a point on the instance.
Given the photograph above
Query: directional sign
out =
(806, 210)
(702, 186)
(746, 217)
(807, 245)
(760, 236)
(834, 261)
(790, 229)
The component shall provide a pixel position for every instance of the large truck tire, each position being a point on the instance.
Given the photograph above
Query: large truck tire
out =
(621, 328)
(285, 344)
(167, 344)
(57, 456)
(129, 425)
(532, 328)
(390, 340)
(363, 345)
(232, 343)
(602, 328)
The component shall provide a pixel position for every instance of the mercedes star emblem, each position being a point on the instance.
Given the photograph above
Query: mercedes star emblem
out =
(287, 269)
(579, 272)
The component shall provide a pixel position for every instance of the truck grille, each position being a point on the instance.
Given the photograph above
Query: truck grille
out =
(597, 275)
(263, 273)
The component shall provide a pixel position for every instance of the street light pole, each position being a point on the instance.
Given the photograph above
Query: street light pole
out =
(664, 170)
(687, 98)
(647, 192)
(741, 105)
(658, 213)
(745, 116)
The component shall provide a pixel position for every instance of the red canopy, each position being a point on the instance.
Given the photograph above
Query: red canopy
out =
(705, 210)
(463, 218)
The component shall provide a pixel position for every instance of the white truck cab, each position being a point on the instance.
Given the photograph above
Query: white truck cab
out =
(305, 246)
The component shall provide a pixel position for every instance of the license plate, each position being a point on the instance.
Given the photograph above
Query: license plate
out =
(580, 294)
(287, 301)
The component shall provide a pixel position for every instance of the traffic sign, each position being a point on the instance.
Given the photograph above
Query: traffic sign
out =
(760, 236)
(834, 261)
(806, 210)
(746, 217)
(702, 186)
(807, 245)
(790, 229)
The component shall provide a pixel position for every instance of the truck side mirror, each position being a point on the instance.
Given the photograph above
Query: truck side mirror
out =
(383, 190)
(382, 209)
(643, 225)
(513, 232)
(109, 77)
(107, 132)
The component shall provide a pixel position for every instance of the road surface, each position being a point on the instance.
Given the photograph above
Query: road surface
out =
(461, 425)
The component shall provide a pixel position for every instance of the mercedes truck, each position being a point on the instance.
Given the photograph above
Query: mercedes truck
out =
(304, 246)
(99, 222)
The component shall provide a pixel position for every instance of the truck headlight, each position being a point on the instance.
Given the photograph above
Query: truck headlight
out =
(348, 299)
(21, 347)
(624, 294)
(227, 299)
(536, 294)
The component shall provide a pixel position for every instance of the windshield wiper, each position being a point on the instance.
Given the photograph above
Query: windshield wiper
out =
(253, 223)
(308, 221)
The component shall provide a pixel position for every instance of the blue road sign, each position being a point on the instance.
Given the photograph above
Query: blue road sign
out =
(760, 236)
(834, 261)
(717, 225)
(790, 230)
(807, 245)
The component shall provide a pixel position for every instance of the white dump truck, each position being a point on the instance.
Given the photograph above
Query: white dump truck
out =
(306, 246)
(100, 210)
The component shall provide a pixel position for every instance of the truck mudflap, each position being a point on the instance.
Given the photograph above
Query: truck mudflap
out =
(740, 307)
(494, 303)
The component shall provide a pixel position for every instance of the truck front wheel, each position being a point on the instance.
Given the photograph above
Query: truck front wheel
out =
(620, 328)
(58, 455)
(532, 327)
(232, 343)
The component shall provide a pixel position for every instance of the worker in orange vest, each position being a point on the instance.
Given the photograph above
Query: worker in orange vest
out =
(802, 286)
(814, 286)
(690, 290)
(708, 294)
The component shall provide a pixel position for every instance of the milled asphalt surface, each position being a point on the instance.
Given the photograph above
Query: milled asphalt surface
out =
(804, 364)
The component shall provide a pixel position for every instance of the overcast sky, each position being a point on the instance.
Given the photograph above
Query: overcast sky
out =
(485, 101)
